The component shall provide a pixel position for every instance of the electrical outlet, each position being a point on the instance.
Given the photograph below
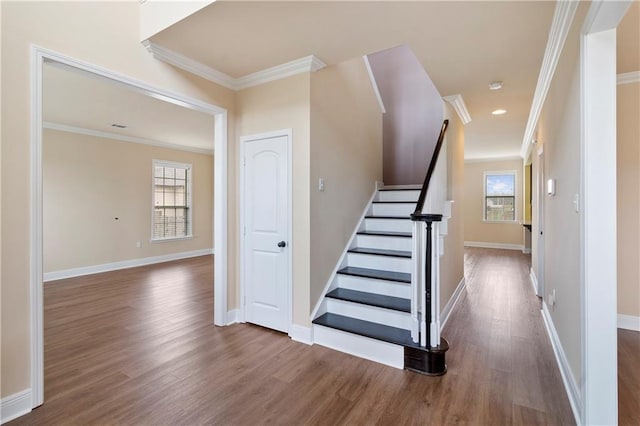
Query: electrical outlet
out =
(321, 184)
(552, 298)
(138, 244)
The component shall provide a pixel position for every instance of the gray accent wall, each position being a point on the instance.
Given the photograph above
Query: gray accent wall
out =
(413, 117)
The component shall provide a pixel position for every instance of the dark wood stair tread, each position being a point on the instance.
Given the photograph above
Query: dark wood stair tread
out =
(394, 202)
(371, 299)
(373, 330)
(386, 234)
(381, 252)
(407, 217)
(376, 274)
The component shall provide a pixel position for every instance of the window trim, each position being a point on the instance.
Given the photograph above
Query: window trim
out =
(189, 168)
(515, 196)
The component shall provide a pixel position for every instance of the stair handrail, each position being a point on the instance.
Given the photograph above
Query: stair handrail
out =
(425, 281)
(432, 166)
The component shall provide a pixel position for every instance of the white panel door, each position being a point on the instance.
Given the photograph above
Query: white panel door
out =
(266, 221)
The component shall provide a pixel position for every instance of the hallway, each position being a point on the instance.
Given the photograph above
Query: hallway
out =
(136, 347)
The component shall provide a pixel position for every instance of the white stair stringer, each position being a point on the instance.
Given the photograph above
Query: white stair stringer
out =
(363, 347)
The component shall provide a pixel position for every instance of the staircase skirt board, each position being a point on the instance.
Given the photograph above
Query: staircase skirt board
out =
(372, 299)
(384, 287)
(360, 346)
(372, 314)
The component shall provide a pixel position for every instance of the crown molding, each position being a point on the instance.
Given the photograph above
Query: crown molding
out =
(173, 58)
(562, 20)
(299, 66)
(123, 138)
(628, 77)
(458, 105)
(309, 63)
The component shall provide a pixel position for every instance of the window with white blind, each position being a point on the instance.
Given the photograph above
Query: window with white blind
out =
(500, 196)
(171, 201)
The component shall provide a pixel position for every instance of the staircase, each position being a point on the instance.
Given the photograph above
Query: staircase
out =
(367, 308)
(383, 302)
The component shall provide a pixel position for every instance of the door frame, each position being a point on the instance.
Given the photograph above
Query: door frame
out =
(598, 237)
(39, 56)
(288, 133)
(541, 190)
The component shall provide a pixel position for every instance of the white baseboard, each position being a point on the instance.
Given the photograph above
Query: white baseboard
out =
(106, 267)
(448, 308)
(568, 379)
(14, 406)
(232, 317)
(360, 346)
(629, 322)
(503, 246)
(534, 281)
(301, 334)
(526, 250)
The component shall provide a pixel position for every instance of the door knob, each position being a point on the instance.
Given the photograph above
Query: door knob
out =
(282, 244)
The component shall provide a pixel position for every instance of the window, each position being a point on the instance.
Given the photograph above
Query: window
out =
(171, 201)
(500, 196)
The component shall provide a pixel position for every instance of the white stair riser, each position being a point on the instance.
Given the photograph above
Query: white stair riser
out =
(386, 288)
(369, 313)
(385, 243)
(385, 263)
(360, 346)
(398, 196)
(392, 209)
(388, 225)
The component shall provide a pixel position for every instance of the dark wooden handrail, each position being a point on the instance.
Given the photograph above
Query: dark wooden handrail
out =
(423, 192)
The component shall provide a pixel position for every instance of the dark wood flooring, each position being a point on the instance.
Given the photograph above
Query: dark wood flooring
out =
(138, 347)
(628, 377)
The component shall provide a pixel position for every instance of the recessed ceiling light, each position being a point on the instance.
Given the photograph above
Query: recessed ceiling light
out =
(499, 111)
(495, 85)
(119, 126)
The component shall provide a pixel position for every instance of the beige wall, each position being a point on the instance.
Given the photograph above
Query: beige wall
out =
(452, 262)
(628, 181)
(475, 228)
(284, 104)
(84, 31)
(88, 181)
(346, 151)
(559, 134)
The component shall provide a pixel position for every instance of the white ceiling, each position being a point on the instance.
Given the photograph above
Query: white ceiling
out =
(462, 45)
(83, 100)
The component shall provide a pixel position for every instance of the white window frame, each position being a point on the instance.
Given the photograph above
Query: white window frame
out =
(189, 168)
(515, 195)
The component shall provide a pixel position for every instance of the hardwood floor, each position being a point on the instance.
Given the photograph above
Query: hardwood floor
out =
(138, 347)
(628, 377)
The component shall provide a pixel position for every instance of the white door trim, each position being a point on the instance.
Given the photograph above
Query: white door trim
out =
(288, 133)
(541, 193)
(599, 395)
(41, 55)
